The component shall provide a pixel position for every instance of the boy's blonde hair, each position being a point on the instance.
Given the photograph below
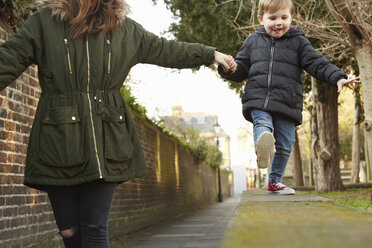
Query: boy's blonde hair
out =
(271, 6)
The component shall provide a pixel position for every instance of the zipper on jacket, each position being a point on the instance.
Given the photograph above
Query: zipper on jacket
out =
(91, 113)
(269, 77)
(68, 56)
(109, 56)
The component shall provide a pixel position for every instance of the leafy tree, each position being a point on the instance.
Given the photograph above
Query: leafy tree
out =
(208, 22)
(203, 22)
(14, 12)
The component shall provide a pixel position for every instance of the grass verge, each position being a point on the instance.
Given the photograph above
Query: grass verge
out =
(358, 198)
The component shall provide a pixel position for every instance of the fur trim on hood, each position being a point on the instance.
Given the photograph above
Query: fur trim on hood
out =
(59, 11)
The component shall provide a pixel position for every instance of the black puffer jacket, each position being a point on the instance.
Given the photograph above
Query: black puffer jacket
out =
(273, 68)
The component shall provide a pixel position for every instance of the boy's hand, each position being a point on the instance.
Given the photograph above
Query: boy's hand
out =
(231, 62)
(347, 82)
(220, 60)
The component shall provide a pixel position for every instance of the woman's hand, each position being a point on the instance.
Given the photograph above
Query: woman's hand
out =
(347, 82)
(223, 60)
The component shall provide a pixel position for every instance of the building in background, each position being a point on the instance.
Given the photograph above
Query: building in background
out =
(203, 123)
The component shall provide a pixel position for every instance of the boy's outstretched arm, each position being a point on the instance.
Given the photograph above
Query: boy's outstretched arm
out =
(321, 68)
(233, 66)
(347, 82)
(231, 62)
(238, 73)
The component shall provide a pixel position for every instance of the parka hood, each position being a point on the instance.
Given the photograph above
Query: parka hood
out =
(58, 10)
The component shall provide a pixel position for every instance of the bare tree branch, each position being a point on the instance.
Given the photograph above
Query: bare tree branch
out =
(220, 4)
(253, 12)
(240, 8)
(355, 14)
(358, 29)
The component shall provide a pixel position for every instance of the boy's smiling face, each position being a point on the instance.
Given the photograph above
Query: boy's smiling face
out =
(277, 23)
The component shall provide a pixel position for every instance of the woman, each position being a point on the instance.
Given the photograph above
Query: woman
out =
(83, 140)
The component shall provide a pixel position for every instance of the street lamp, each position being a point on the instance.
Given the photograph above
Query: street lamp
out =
(217, 129)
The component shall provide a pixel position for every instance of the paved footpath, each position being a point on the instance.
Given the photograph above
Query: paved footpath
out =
(257, 220)
(200, 229)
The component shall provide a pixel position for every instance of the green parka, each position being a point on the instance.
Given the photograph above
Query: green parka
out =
(82, 129)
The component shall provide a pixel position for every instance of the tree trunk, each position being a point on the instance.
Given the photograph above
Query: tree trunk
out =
(356, 140)
(364, 58)
(325, 148)
(297, 164)
(359, 31)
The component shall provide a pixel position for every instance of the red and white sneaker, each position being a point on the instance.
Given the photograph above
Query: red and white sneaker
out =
(280, 189)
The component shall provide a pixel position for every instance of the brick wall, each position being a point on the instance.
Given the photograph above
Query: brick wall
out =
(175, 184)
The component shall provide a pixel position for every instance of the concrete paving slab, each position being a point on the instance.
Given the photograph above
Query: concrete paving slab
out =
(284, 198)
(180, 235)
(260, 195)
(203, 228)
(300, 222)
(207, 244)
(193, 225)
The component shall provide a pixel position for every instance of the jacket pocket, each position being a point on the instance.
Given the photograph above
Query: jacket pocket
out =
(118, 145)
(296, 96)
(61, 142)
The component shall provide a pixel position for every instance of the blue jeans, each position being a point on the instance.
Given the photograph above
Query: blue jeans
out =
(284, 133)
(85, 207)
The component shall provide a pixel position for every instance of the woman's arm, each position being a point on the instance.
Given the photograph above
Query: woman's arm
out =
(173, 54)
(18, 53)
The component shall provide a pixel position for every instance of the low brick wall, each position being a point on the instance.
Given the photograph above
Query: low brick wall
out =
(174, 185)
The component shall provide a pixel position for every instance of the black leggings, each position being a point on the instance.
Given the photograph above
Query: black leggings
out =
(85, 207)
